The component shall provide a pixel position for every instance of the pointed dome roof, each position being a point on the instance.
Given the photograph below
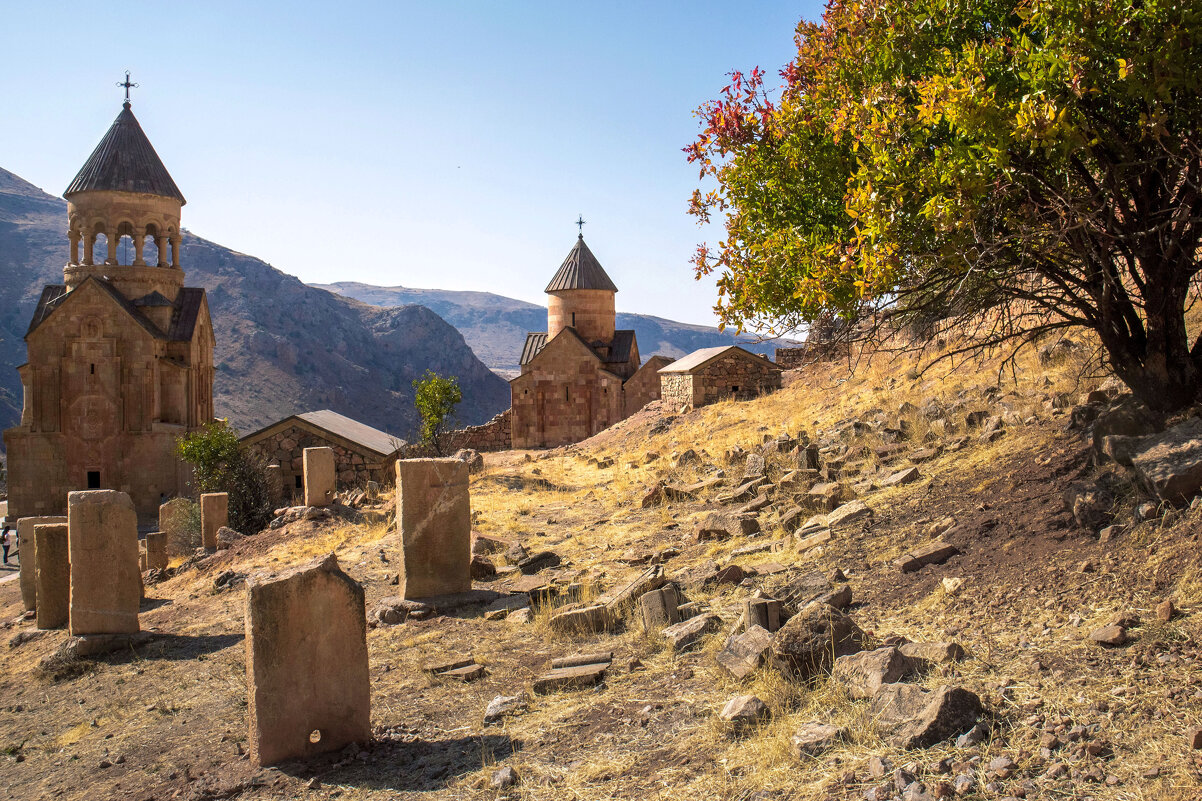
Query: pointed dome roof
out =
(125, 161)
(580, 270)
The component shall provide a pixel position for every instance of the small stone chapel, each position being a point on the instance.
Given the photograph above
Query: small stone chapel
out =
(121, 353)
(581, 375)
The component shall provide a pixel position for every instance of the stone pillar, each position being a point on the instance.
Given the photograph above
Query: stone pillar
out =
(156, 551)
(53, 575)
(27, 553)
(433, 512)
(106, 586)
(275, 484)
(320, 475)
(308, 689)
(659, 609)
(214, 513)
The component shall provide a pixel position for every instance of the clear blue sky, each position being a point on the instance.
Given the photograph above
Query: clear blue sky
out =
(440, 144)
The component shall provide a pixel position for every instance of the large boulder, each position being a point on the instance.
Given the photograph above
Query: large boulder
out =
(475, 462)
(1170, 464)
(813, 638)
(914, 718)
(863, 674)
(1126, 418)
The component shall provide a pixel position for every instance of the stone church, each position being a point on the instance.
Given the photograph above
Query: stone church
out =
(581, 375)
(120, 355)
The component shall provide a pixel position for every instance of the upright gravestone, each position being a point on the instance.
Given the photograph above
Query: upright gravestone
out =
(106, 587)
(275, 484)
(214, 514)
(27, 553)
(53, 575)
(434, 519)
(320, 475)
(177, 522)
(306, 662)
(156, 551)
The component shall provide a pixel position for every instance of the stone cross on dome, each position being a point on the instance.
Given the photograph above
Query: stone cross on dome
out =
(580, 224)
(126, 83)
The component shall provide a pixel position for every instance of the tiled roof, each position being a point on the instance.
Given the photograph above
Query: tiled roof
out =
(125, 161)
(619, 349)
(183, 319)
(580, 270)
(699, 358)
(535, 342)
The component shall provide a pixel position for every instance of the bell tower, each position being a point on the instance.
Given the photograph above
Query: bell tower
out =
(581, 296)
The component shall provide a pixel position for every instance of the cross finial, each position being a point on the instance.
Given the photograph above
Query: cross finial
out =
(127, 86)
(580, 224)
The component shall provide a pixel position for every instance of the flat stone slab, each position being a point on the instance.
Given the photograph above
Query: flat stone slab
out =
(586, 620)
(577, 660)
(444, 667)
(570, 678)
(848, 513)
(745, 653)
(933, 553)
(466, 673)
(1170, 464)
(689, 632)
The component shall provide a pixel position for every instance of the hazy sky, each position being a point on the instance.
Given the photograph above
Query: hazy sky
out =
(441, 144)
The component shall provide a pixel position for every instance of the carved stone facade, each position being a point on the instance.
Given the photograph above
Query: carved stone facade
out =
(575, 377)
(713, 374)
(121, 354)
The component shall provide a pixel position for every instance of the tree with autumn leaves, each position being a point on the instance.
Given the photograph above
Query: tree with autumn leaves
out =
(1012, 167)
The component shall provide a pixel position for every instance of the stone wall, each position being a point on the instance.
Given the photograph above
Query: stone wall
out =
(735, 376)
(644, 386)
(676, 390)
(495, 435)
(792, 358)
(286, 447)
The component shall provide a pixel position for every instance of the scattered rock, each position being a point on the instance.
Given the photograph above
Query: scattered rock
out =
(227, 538)
(848, 513)
(482, 568)
(582, 620)
(813, 638)
(933, 553)
(1112, 635)
(504, 705)
(812, 739)
(1194, 738)
(573, 677)
(928, 654)
(689, 632)
(744, 711)
(974, 736)
(1165, 611)
(475, 461)
(1170, 464)
(523, 615)
(745, 653)
(504, 778)
(863, 674)
(915, 718)
(907, 476)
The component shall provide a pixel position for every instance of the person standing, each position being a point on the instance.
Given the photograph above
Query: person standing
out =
(5, 541)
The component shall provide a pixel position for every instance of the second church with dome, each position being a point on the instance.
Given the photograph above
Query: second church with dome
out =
(581, 375)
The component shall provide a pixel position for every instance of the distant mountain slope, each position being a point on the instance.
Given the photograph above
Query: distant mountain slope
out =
(495, 326)
(282, 347)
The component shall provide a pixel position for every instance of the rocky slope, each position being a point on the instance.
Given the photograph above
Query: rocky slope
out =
(495, 326)
(282, 347)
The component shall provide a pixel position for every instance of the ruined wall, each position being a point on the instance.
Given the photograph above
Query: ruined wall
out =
(495, 435)
(286, 447)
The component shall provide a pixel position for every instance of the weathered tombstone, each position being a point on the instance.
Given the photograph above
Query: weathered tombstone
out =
(106, 586)
(306, 662)
(320, 474)
(53, 575)
(156, 551)
(659, 609)
(214, 513)
(434, 519)
(762, 612)
(174, 521)
(27, 554)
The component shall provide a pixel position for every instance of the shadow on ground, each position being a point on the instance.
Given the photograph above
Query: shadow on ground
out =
(422, 765)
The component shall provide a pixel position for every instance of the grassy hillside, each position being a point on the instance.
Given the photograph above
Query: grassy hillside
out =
(1030, 586)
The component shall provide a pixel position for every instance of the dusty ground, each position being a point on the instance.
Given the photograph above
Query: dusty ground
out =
(169, 720)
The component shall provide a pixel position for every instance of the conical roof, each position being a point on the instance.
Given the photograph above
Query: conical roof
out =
(580, 270)
(125, 161)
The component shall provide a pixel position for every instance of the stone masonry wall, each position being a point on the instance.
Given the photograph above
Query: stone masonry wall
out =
(287, 446)
(735, 376)
(495, 435)
(676, 390)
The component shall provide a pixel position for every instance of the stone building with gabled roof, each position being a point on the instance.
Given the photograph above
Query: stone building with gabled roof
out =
(575, 375)
(120, 355)
(361, 453)
(709, 375)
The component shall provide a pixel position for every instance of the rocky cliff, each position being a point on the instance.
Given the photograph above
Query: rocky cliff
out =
(282, 347)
